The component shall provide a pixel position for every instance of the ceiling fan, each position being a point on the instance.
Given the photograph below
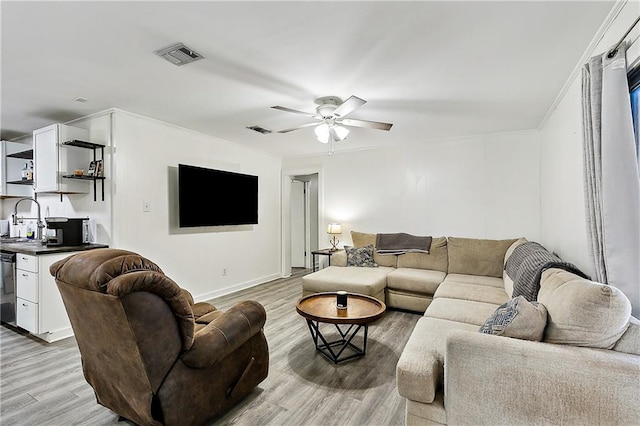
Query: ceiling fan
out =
(330, 118)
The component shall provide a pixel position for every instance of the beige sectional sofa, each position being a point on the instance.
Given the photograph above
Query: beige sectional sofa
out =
(585, 370)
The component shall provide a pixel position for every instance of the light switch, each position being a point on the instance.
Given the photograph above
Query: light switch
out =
(146, 206)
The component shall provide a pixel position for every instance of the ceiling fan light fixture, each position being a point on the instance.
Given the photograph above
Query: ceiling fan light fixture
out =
(322, 133)
(341, 132)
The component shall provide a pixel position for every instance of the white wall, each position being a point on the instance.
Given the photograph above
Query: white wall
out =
(563, 223)
(480, 187)
(147, 155)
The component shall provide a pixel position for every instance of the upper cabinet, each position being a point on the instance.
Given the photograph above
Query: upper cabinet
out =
(16, 168)
(53, 159)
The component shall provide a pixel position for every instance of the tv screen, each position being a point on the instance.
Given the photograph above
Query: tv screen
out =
(208, 197)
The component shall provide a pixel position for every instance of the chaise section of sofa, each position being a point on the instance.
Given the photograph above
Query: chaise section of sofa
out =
(469, 294)
(406, 281)
(369, 281)
(585, 369)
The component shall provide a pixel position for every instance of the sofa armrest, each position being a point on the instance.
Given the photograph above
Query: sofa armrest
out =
(498, 380)
(225, 334)
(418, 376)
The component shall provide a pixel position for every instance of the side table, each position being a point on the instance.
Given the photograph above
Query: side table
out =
(321, 252)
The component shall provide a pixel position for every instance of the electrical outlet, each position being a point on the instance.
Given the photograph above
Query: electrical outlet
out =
(224, 272)
(146, 206)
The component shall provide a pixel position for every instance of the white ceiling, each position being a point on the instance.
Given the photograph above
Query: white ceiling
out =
(433, 69)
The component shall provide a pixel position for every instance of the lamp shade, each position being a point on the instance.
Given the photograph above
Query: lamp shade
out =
(334, 228)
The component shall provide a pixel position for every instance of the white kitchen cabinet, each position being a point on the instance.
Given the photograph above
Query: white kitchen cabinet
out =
(13, 156)
(39, 307)
(53, 159)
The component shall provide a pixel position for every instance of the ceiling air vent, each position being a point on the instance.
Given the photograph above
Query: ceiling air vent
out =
(178, 54)
(259, 129)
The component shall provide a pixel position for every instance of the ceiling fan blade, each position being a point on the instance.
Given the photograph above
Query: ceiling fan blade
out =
(298, 127)
(368, 124)
(348, 106)
(295, 111)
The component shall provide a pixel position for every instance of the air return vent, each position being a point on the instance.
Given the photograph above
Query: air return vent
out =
(178, 54)
(259, 129)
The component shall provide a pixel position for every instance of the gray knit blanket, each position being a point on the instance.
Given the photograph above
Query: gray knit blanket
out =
(526, 265)
(400, 243)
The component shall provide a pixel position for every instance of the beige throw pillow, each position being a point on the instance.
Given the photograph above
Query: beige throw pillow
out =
(582, 312)
(517, 318)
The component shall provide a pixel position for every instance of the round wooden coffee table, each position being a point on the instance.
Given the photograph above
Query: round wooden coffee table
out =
(321, 308)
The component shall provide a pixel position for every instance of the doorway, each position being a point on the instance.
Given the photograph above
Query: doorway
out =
(303, 219)
(299, 220)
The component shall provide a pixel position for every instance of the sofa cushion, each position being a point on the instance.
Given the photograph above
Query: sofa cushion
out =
(437, 259)
(407, 300)
(630, 341)
(475, 279)
(517, 318)
(477, 256)
(415, 280)
(469, 291)
(419, 370)
(361, 256)
(369, 281)
(339, 258)
(467, 311)
(582, 312)
(361, 239)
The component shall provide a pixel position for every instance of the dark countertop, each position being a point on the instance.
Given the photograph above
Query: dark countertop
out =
(36, 248)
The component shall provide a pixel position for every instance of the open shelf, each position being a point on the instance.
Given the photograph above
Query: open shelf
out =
(83, 144)
(26, 155)
(21, 182)
(92, 146)
(83, 177)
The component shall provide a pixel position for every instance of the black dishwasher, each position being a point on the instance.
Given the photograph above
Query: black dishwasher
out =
(8, 288)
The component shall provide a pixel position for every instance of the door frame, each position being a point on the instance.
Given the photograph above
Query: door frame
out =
(306, 219)
(285, 222)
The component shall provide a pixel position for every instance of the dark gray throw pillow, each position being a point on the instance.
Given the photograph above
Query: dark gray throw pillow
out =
(362, 256)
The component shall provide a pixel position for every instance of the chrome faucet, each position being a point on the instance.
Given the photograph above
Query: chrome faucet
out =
(40, 224)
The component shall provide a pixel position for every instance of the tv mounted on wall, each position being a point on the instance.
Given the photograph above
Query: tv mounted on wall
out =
(234, 197)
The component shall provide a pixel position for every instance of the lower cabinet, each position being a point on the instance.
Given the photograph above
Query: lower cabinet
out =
(27, 315)
(39, 307)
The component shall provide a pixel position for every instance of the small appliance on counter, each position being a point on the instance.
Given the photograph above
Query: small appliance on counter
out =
(66, 231)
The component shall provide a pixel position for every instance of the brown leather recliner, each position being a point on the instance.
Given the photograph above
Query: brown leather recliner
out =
(151, 355)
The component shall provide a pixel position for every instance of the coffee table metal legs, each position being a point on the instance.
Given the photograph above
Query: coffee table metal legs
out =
(334, 350)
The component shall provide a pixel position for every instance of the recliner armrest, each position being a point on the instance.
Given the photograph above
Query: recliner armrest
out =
(225, 334)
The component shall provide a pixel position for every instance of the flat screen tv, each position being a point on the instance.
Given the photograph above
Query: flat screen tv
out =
(208, 197)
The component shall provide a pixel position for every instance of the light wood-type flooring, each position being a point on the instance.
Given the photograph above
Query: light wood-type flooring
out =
(42, 383)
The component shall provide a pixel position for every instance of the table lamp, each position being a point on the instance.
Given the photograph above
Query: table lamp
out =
(334, 229)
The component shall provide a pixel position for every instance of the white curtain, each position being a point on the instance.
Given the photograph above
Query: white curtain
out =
(612, 179)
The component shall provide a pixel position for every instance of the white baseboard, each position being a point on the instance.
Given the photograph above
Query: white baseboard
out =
(236, 287)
